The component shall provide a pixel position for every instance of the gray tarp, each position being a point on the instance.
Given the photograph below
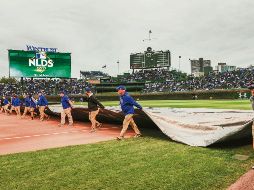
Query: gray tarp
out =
(202, 127)
(195, 127)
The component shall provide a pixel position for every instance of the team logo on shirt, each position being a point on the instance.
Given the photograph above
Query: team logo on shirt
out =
(41, 61)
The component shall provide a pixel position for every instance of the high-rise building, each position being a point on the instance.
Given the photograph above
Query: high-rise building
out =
(223, 67)
(198, 66)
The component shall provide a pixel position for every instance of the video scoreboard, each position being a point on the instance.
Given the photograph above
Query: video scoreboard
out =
(39, 64)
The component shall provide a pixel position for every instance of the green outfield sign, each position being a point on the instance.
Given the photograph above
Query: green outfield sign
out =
(39, 64)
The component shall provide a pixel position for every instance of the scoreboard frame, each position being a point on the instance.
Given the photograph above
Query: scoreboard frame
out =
(34, 64)
(150, 59)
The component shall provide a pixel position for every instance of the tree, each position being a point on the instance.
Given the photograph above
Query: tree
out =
(10, 80)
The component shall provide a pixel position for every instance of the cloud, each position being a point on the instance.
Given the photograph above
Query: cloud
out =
(101, 32)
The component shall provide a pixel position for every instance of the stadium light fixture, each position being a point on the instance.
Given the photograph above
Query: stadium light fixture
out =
(118, 66)
(180, 62)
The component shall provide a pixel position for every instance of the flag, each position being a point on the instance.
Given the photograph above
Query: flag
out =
(104, 66)
(150, 31)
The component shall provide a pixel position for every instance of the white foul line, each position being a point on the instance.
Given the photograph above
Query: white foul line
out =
(45, 134)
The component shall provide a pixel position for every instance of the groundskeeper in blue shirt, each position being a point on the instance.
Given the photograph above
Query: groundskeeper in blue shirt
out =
(32, 103)
(42, 101)
(127, 103)
(65, 102)
(6, 102)
(27, 102)
(16, 102)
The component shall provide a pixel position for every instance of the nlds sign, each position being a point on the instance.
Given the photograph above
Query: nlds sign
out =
(41, 60)
(39, 64)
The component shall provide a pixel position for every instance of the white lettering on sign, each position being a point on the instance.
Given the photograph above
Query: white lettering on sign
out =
(41, 63)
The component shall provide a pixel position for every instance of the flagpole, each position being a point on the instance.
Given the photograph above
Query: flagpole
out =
(179, 63)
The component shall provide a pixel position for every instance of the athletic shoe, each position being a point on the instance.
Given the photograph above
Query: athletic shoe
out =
(100, 125)
(252, 167)
(119, 138)
(138, 135)
(60, 125)
(93, 131)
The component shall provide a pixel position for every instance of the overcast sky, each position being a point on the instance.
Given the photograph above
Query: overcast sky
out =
(99, 32)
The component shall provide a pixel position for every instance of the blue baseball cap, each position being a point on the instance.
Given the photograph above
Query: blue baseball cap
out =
(88, 89)
(121, 87)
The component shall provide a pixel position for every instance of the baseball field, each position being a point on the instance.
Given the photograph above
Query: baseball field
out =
(150, 162)
(216, 104)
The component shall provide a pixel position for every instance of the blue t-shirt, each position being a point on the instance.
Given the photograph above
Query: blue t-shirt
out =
(16, 102)
(32, 103)
(42, 101)
(6, 102)
(65, 102)
(27, 102)
(127, 103)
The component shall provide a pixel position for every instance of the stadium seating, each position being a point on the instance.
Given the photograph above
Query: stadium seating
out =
(155, 81)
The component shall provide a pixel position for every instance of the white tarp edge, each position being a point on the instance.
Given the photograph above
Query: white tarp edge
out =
(200, 135)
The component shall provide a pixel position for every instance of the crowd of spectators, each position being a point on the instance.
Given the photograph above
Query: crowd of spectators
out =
(155, 81)
(48, 86)
(10, 88)
(240, 78)
(70, 86)
(158, 75)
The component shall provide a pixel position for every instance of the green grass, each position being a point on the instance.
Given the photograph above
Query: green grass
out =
(219, 104)
(145, 163)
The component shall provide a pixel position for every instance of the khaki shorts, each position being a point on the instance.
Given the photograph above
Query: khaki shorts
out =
(253, 130)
